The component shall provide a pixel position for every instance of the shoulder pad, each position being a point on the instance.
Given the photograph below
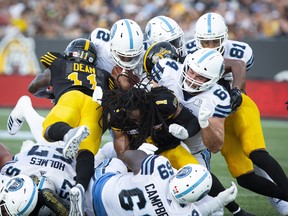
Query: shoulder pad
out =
(47, 59)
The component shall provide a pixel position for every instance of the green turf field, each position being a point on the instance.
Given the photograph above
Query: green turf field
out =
(276, 136)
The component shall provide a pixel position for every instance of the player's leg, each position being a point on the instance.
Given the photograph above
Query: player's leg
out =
(280, 205)
(25, 111)
(248, 129)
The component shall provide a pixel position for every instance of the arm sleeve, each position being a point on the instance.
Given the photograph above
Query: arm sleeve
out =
(189, 121)
(210, 206)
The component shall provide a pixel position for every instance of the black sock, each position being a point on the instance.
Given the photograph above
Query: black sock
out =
(84, 168)
(56, 131)
(216, 188)
(260, 185)
(265, 161)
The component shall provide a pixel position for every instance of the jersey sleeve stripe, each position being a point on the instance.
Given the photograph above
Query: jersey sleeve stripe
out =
(222, 111)
(147, 167)
(250, 63)
(47, 59)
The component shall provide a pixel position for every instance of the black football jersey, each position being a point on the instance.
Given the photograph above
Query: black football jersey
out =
(67, 75)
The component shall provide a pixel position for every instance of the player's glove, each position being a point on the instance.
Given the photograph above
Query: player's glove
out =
(148, 148)
(228, 195)
(204, 114)
(178, 131)
(235, 98)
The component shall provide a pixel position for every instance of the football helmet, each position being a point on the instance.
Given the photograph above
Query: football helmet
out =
(19, 195)
(190, 184)
(207, 63)
(163, 28)
(82, 50)
(209, 28)
(126, 43)
(159, 51)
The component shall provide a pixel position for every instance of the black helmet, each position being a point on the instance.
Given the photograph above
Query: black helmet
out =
(159, 51)
(81, 49)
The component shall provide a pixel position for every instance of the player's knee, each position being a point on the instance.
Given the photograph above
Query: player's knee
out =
(243, 180)
(258, 156)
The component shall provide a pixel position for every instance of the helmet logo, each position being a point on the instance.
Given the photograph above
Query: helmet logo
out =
(185, 171)
(15, 184)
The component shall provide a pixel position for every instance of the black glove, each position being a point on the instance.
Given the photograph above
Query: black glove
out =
(287, 105)
(236, 98)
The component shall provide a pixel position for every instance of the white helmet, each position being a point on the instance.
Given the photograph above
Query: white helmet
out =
(211, 27)
(162, 28)
(19, 195)
(126, 43)
(205, 62)
(190, 184)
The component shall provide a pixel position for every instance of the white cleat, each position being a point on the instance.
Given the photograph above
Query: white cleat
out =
(77, 201)
(73, 139)
(281, 206)
(16, 118)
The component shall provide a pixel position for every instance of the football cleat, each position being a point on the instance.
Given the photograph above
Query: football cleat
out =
(77, 201)
(16, 118)
(281, 206)
(73, 139)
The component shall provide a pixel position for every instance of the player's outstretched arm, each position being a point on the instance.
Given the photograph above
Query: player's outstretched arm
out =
(223, 198)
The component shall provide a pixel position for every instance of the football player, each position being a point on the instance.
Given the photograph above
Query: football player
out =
(51, 172)
(203, 96)
(100, 37)
(153, 187)
(244, 144)
(137, 115)
(75, 116)
(126, 47)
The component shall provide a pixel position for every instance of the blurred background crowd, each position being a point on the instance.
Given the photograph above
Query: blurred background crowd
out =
(74, 18)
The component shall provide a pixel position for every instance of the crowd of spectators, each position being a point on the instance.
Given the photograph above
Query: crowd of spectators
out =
(73, 18)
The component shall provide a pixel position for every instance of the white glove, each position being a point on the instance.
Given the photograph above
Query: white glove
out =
(148, 148)
(228, 195)
(178, 131)
(204, 114)
(97, 95)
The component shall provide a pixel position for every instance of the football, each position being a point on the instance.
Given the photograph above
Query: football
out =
(125, 78)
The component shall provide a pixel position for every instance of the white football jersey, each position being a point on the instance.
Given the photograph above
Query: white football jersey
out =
(44, 160)
(217, 98)
(147, 193)
(232, 50)
(101, 39)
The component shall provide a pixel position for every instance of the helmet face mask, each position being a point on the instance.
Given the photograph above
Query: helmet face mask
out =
(162, 28)
(19, 196)
(201, 70)
(81, 50)
(211, 32)
(190, 184)
(126, 43)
